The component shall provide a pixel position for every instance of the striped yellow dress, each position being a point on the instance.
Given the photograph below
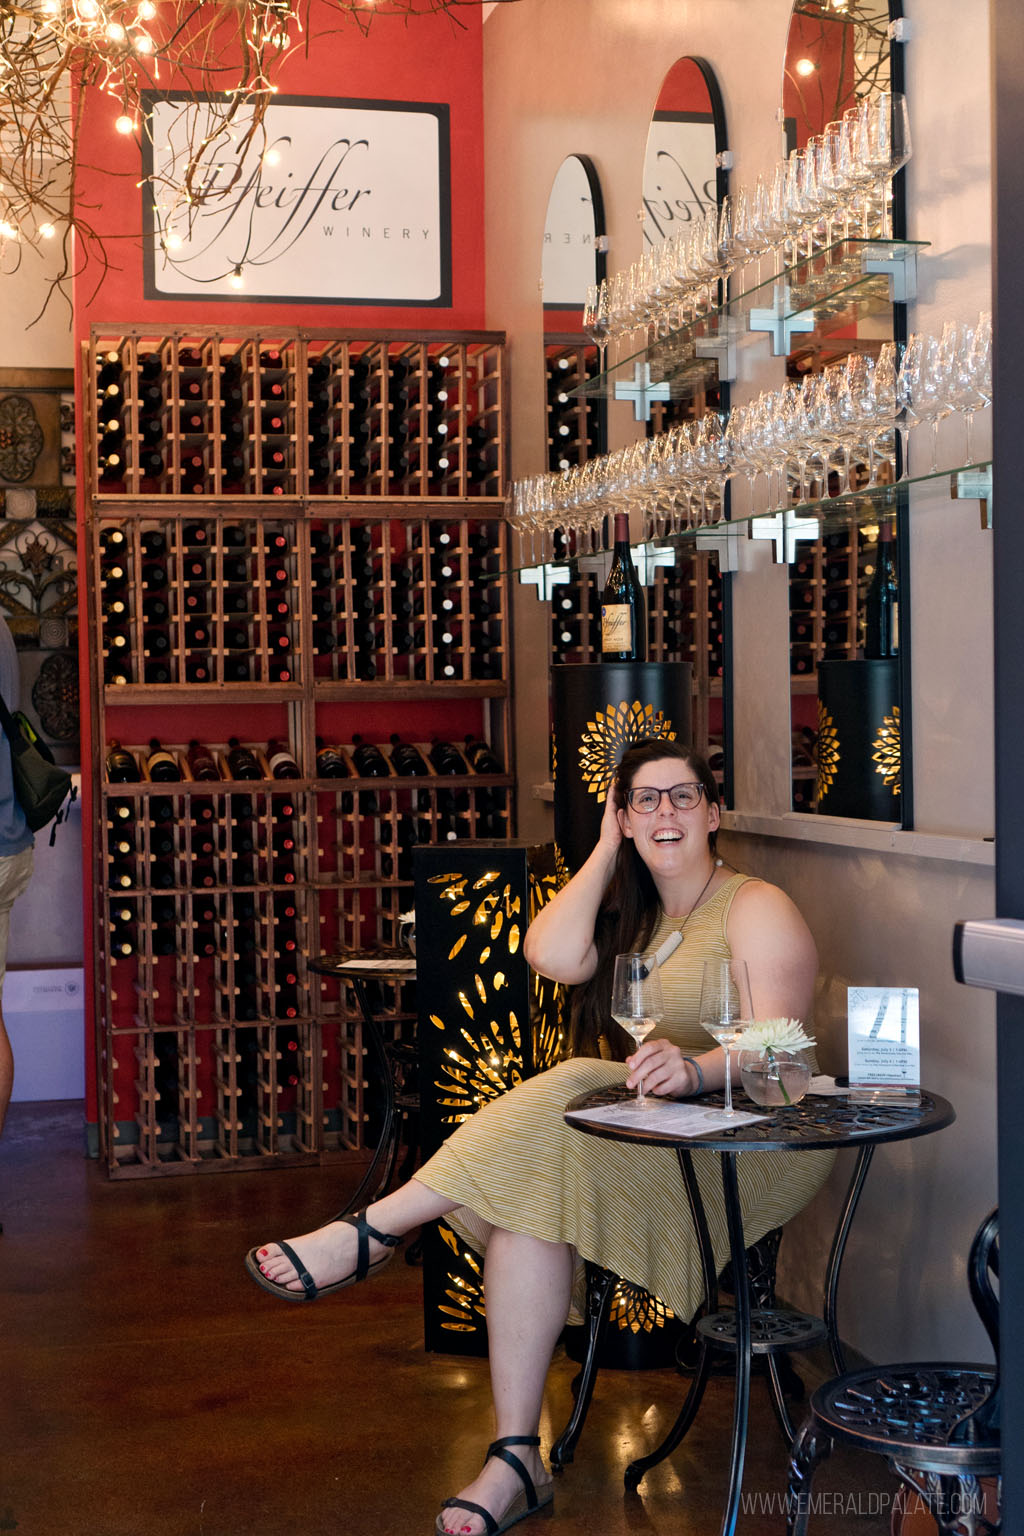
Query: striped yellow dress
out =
(517, 1165)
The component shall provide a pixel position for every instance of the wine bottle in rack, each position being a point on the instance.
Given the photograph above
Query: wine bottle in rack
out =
(123, 928)
(369, 760)
(330, 764)
(281, 762)
(121, 874)
(881, 605)
(446, 757)
(623, 609)
(201, 763)
(162, 766)
(242, 762)
(163, 925)
(406, 759)
(482, 758)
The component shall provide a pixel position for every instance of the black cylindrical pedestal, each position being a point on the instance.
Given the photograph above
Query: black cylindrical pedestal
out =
(599, 711)
(859, 739)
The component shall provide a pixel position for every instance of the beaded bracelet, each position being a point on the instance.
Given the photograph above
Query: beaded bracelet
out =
(700, 1075)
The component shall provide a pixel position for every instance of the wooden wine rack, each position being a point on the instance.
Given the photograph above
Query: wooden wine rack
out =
(204, 413)
(290, 612)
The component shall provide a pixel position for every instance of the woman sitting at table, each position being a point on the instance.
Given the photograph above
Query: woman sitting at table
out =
(537, 1196)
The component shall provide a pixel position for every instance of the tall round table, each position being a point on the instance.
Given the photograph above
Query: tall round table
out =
(816, 1123)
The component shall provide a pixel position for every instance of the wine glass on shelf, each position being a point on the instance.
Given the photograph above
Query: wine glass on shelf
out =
(888, 145)
(725, 1010)
(596, 323)
(637, 1001)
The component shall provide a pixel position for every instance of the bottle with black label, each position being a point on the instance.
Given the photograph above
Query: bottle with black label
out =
(623, 609)
(241, 762)
(881, 605)
(121, 765)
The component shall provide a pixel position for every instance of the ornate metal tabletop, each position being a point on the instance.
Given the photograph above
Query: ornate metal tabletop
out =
(816, 1122)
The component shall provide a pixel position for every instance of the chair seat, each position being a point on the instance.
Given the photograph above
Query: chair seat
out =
(908, 1413)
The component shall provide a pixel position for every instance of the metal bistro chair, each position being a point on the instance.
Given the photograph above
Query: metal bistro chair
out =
(937, 1425)
(602, 1285)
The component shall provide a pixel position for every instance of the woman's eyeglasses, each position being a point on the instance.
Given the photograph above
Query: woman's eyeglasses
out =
(683, 796)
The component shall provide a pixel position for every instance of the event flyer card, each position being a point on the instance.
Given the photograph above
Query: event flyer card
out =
(884, 1038)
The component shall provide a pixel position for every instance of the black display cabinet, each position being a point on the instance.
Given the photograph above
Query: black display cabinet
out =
(599, 711)
(859, 746)
(485, 1022)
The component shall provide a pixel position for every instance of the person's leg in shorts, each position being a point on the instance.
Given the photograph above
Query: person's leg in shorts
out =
(15, 874)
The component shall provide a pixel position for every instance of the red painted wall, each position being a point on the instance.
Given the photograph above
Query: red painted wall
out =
(429, 59)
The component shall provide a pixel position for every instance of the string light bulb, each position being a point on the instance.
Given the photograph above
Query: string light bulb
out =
(237, 279)
(124, 124)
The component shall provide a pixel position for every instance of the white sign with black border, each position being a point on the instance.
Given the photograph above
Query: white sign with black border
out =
(337, 202)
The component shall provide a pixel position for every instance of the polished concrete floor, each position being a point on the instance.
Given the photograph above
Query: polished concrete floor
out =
(149, 1388)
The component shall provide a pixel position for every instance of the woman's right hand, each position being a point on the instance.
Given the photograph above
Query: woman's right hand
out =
(611, 833)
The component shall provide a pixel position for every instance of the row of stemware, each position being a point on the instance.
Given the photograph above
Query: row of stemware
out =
(831, 434)
(837, 182)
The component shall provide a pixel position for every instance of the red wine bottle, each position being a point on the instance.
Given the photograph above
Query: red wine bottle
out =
(881, 605)
(201, 762)
(623, 609)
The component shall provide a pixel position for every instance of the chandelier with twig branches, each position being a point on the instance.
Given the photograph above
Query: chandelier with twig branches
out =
(58, 56)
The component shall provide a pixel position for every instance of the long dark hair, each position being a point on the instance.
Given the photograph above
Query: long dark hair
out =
(629, 908)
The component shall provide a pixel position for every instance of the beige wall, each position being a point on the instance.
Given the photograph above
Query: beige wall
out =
(581, 76)
(28, 341)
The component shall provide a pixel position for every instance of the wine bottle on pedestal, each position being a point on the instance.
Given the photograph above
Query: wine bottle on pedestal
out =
(623, 609)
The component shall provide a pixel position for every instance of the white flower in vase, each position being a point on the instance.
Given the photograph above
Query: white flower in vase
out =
(769, 1037)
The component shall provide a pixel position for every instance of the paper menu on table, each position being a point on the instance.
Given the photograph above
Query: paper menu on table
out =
(883, 1029)
(666, 1116)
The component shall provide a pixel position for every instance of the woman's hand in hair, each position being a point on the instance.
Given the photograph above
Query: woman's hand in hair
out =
(611, 833)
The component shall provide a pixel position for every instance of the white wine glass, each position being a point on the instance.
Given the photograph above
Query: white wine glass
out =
(725, 1010)
(637, 1001)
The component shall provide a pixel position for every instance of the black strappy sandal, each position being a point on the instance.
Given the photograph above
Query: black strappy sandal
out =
(529, 1501)
(310, 1290)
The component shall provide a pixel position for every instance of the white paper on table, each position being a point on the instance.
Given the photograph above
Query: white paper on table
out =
(827, 1087)
(378, 965)
(666, 1116)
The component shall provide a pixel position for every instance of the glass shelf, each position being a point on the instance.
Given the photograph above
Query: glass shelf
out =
(820, 294)
(818, 517)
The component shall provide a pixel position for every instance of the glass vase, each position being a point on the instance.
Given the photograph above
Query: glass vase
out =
(780, 1078)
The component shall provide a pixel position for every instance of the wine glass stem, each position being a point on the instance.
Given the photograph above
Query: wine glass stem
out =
(728, 1080)
(640, 1092)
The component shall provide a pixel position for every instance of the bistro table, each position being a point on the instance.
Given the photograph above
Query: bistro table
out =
(815, 1123)
(358, 970)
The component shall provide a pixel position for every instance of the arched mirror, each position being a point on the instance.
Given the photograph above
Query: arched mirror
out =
(685, 139)
(687, 596)
(849, 708)
(572, 260)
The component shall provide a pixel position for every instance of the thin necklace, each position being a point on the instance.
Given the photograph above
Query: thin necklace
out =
(714, 868)
(675, 938)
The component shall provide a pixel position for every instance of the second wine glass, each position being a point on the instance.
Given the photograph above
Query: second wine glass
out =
(725, 1010)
